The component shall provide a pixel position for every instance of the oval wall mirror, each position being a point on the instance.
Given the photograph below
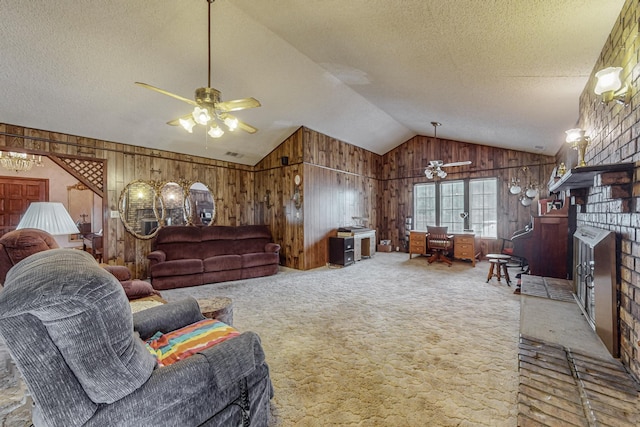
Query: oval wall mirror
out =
(173, 202)
(202, 208)
(140, 207)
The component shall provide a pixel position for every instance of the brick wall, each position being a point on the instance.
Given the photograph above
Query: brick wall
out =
(613, 202)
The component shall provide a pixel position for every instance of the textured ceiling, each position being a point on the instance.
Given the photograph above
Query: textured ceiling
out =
(373, 73)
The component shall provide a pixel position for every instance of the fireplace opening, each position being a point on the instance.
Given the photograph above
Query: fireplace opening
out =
(595, 282)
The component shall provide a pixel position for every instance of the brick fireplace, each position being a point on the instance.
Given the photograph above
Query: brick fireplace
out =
(612, 200)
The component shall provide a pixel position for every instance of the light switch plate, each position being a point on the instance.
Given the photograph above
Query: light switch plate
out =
(115, 214)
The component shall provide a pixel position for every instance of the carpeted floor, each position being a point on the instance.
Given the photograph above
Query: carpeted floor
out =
(385, 342)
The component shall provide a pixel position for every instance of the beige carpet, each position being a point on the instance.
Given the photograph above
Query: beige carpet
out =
(385, 342)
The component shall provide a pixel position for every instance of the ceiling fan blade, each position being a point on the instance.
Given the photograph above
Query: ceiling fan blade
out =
(247, 128)
(468, 162)
(164, 92)
(238, 104)
(176, 122)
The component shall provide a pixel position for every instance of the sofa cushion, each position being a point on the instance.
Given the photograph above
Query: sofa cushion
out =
(249, 246)
(179, 344)
(219, 232)
(222, 262)
(179, 267)
(179, 242)
(255, 260)
(211, 248)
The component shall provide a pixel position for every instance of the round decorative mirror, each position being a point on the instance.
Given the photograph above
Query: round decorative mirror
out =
(201, 205)
(140, 209)
(173, 202)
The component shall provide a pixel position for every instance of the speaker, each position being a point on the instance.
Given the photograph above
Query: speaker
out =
(284, 160)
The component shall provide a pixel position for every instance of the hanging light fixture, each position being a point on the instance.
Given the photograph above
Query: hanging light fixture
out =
(19, 162)
(526, 194)
(209, 109)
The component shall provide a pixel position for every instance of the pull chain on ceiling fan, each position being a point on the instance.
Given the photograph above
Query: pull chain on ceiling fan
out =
(208, 105)
(435, 166)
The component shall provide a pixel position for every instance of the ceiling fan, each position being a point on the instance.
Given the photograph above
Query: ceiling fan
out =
(208, 105)
(435, 166)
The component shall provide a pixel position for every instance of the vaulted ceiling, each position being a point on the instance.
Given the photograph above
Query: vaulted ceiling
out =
(506, 73)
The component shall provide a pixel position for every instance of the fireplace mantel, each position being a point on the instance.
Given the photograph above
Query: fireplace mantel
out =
(582, 177)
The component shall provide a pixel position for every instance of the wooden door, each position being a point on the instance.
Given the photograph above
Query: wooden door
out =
(15, 196)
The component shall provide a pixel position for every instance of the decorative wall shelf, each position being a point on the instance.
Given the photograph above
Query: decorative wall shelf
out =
(582, 177)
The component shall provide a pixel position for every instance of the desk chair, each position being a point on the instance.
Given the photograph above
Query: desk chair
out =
(439, 243)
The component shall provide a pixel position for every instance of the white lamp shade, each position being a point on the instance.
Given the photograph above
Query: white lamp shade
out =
(187, 124)
(608, 80)
(215, 132)
(201, 115)
(232, 123)
(51, 217)
(574, 135)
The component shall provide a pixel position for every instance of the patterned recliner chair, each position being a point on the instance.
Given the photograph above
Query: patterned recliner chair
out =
(68, 326)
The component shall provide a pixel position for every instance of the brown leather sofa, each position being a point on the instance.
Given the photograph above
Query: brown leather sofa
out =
(192, 255)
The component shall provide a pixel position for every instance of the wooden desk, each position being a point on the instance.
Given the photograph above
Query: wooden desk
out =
(417, 243)
(464, 247)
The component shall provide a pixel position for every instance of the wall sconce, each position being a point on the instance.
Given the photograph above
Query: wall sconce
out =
(297, 197)
(609, 86)
(526, 194)
(579, 142)
(267, 199)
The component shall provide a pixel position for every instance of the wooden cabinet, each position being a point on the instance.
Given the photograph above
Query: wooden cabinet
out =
(544, 245)
(417, 243)
(464, 247)
(341, 250)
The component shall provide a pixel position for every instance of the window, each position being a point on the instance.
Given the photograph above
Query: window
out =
(483, 203)
(445, 204)
(451, 205)
(424, 205)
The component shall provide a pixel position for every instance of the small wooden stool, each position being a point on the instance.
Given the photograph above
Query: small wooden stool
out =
(220, 308)
(501, 261)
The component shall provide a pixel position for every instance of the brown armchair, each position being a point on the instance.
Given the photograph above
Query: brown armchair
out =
(439, 243)
(16, 245)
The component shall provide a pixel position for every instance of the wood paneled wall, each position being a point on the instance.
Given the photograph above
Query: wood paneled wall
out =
(284, 220)
(339, 181)
(232, 184)
(404, 166)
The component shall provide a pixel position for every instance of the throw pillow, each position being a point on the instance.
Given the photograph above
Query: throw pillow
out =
(179, 344)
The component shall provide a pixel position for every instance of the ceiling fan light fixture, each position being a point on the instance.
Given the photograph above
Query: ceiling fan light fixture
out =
(187, 124)
(428, 173)
(215, 132)
(201, 115)
(442, 174)
(232, 123)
